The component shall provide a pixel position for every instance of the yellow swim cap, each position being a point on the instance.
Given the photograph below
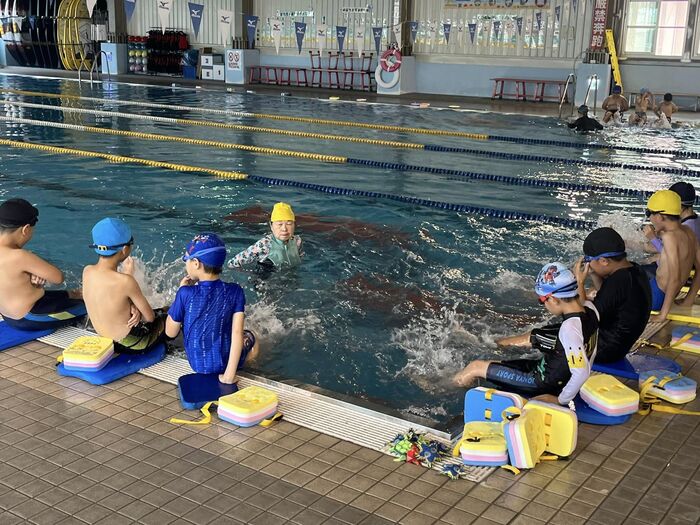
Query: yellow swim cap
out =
(283, 212)
(665, 201)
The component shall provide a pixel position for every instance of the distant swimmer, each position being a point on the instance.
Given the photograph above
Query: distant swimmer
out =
(276, 250)
(667, 108)
(644, 103)
(568, 349)
(24, 304)
(585, 123)
(614, 105)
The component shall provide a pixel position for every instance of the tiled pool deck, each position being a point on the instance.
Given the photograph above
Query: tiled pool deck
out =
(76, 453)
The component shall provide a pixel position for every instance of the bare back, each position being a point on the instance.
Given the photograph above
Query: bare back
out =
(106, 296)
(678, 255)
(668, 108)
(17, 295)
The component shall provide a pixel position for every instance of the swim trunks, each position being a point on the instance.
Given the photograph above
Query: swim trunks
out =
(657, 294)
(143, 336)
(54, 310)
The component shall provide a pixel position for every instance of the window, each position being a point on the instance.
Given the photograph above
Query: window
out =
(656, 27)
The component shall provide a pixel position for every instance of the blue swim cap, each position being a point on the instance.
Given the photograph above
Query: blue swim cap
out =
(207, 248)
(583, 109)
(617, 89)
(110, 235)
(557, 280)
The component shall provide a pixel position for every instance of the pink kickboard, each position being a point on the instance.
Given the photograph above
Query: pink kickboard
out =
(249, 420)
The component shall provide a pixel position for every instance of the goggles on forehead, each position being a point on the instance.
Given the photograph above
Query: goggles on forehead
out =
(589, 258)
(104, 248)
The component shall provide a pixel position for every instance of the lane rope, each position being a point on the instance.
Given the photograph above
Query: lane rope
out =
(504, 179)
(365, 125)
(333, 190)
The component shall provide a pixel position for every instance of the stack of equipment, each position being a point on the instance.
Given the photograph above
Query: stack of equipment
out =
(691, 344)
(488, 404)
(609, 396)
(248, 407)
(483, 444)
(525, 436)
(88, 353)
(673, 388)
(560, 427)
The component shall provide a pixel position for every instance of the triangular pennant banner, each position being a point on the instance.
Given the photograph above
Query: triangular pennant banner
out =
(360, 41)
(414, 31)
(538, 20)
(163, 13)
(321, 31)
(340, 32)
(472, 31)
(129, 7)
(225, 18)
(276, 30)
(574, 4)
(32, 22)
(377, 34)
(300, 31)
(447, 29)
(196, 11)
(91, 6)
(557, 12)
(519, 24)
(251, 24)
(397, 35)
(496, 28)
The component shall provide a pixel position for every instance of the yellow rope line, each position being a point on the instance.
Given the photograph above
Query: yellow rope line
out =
(185, 140)
(122, 159)
(222, 125)
(308, 120)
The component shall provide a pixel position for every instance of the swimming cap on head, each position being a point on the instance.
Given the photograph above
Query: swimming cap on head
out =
(282, 212)
(557, 280)
(110, 235)
(207, 248)
(685, 191)
(15, 213)
(668, 97)
(617, 89)
(665, 201)
(603, 241)
(583, 109)
(644, 91)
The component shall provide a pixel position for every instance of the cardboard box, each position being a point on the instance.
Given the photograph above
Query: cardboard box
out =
(211, 60)
(218, 72)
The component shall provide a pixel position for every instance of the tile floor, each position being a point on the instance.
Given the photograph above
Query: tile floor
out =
(76, 453)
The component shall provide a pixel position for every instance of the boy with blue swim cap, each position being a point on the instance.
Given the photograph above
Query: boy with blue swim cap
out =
(115, 303)
(211, 313)
(568, 348)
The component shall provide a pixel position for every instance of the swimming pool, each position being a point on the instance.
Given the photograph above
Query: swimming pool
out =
(392, 298)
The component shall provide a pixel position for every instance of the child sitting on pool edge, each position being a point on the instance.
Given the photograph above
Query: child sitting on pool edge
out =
(115, 303)
(278, 249)
(211, 313)
(24, 304)
(568, 348)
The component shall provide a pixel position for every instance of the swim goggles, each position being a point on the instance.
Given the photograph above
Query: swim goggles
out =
(566, 288)
(104, 248)
(199, 253)
(589, 258)
(648, 213)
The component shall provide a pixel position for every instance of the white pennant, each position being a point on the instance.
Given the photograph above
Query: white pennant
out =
(397, 35)
(163, 12)
(91, 6)
(321, 30)
(225, 19)
(360, 41)
(276, 29)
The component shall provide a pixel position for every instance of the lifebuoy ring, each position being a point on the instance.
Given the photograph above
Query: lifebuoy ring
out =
(390, 60)
(380, 81)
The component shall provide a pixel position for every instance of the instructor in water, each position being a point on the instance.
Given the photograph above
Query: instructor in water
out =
(278, 249)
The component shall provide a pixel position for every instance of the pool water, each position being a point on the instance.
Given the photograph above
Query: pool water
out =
(392, 299)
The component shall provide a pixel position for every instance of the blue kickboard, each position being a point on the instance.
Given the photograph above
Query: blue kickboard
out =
(120, 366)
(586, 414)
(10, 337)
(196, 390)
(633, 364)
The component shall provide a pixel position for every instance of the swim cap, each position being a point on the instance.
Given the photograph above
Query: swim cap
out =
(685, 191)
(665, 201)
(15, 213)
(583, 109)
(617, 89)
(207, 248)
(282, 212)
(644, 91)
(557, 280)
(110, 235)
(604, 242)
(668, 97)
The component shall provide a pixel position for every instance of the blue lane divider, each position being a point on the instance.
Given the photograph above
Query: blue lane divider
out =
(574, 162)
(545, 142)
(464, 208)
(506, 179)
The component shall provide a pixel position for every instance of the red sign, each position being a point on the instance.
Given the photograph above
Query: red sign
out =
(600, 17)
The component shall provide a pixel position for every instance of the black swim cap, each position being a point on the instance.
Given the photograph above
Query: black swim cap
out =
(686, 192)
(603, 240)
(15, 213)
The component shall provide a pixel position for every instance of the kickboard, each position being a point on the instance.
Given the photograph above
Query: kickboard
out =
(685, 315)
(196, 390)
(586, 414)
(120, 366)
(10, 336)
(633, 364)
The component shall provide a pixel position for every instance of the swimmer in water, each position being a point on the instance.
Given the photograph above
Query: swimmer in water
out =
(584, 123)
(278, 249)
(568, 348)
(614, 105)
(644, 103)
(667, 107)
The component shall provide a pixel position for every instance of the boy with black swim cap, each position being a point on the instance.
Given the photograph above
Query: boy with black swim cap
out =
(622, 293)
(24, 304)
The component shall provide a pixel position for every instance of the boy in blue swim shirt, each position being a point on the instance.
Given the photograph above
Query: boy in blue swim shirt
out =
(211, 313)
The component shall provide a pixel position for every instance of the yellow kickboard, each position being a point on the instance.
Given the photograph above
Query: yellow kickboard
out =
(609, 396)
(560, 427)
(484, 436)
(88, 349)
(249, 401)
(683, 314)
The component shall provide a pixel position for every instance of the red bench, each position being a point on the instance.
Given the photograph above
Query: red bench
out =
(343, 70)
(520, 92)
(278, 75)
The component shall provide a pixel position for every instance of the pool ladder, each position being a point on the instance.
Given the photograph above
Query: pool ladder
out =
(591, 81)
(94, 68)
(571, 79)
